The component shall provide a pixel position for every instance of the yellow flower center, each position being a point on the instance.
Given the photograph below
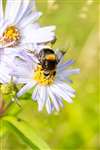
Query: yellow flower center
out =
(11, 35)
(42, 78)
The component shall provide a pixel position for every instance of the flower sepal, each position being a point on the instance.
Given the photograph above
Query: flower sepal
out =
(9, 89)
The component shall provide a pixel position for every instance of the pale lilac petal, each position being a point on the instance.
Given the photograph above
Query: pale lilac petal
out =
(21, 74)
(43, 97)
(53, 98)
(12, 10)
(65, 88)
(10, 51)
(40, 35)
(61, 67)
(59, 92)
(22, 69)
(48, 105)
(59, 100)
(31, 8)
(26, 9)
(29, 19)
(48, 28)
(27, 87)
(69, 88)
(22, 81)
(25, 56)
(71, 71)
(62, 77)
(4, 73)
(35, 93)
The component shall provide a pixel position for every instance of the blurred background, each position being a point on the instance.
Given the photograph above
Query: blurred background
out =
(76, 126)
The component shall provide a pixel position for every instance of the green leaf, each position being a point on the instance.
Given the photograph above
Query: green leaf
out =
(26, 132)
(14, 109)
(3, 129)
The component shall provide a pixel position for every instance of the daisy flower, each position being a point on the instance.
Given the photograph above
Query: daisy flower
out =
(18, 27)
(49, 88)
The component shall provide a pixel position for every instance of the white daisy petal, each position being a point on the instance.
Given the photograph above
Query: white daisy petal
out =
(12, 10)
(38, 93)
(43, 97)
(27, 87)
(25, 10)
(58, 91)
(31, 8)
(35, 93)
(41, 35)
(22, 10)
(70, 89)
(63, 78)
(29, 19)
(20, 74)
(47, 29)
(66, 64)
(24, 56)
(48, 105)
(4, 73)
(71, 71)
(65, 88)
(3, 78)
(59, 101)
(22, 81)
(22, 69)
(11, 51)
(53, 98)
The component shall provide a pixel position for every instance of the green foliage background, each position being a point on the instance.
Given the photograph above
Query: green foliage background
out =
(76, 127)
